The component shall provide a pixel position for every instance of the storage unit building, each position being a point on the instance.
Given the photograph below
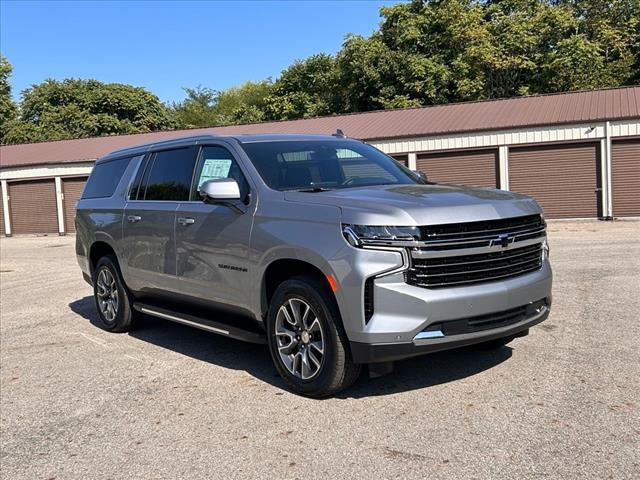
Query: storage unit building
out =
(577, 153)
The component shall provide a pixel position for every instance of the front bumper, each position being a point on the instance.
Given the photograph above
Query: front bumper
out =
(403, 314)
(386, 352)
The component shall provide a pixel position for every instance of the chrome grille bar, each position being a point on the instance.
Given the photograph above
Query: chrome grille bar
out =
(466, 258)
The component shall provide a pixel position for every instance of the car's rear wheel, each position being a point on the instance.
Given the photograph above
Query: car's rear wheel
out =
(307, 342)
(112, 297)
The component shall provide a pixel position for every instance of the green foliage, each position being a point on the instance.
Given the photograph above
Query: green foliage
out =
(75, 108)
(307, 88)
(204, 107)
(425, 52)
(8, 108)
(438, 51)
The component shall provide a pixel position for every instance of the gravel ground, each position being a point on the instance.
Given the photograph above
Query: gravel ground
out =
(167, 401)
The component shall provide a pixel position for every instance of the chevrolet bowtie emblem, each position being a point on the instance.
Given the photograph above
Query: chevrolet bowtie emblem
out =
(503, 240)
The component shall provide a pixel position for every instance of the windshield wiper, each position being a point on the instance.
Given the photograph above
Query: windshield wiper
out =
(312, 189)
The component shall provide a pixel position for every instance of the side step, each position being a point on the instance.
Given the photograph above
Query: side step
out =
(202, 323)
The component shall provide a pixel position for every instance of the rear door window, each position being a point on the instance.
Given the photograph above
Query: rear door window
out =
(169, 174)
(105, 177)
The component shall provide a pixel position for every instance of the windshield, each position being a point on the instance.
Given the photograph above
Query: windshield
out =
(317, 165)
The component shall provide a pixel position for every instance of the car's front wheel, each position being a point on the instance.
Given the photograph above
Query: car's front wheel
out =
(112, 297)
(306, 339)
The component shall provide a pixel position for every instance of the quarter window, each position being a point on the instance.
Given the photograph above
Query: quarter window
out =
(104, 178)
(169, 175)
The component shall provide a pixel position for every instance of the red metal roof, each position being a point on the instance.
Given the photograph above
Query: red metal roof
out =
(518, 112)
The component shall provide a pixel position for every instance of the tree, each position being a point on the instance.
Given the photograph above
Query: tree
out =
(307, 88)
(8, 108)
(205, 107)
(75, 108)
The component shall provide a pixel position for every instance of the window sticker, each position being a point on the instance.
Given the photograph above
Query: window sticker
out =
(214, 168)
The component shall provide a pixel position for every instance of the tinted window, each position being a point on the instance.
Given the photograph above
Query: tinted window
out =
(105, 178)
(299, 165)
(217, 162)
(169, 175)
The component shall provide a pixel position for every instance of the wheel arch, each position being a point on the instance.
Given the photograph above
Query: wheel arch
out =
(282, 269)
(98, 250)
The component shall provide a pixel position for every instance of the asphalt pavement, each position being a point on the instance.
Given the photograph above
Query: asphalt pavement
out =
(170, 402)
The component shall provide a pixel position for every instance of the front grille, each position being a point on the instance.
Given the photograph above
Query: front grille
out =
(476, 252)
(490, 320)
(469, 269)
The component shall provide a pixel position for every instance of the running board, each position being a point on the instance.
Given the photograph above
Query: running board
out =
(202, 323)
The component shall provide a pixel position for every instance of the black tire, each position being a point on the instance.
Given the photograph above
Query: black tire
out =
(337, 370)
(492, 344)
(125, 317)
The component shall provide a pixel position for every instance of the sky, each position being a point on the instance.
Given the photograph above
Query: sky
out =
(167, 45)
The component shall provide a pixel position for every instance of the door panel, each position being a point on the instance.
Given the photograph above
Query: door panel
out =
(149, 221)
(212, 241)
(212, 252)
(148, 248)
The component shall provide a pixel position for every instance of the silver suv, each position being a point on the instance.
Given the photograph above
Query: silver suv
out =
(333, 254)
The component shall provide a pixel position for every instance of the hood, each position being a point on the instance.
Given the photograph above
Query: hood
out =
(409, 205)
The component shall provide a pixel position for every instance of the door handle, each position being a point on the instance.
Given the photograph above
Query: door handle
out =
(184, 221)
(134, 218)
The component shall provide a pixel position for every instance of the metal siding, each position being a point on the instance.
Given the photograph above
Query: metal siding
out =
(562, 178)
(72, 189)
(32, 205)
(625, 178)
(467, 167)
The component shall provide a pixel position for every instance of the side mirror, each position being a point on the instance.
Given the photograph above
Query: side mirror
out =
(421, 175)
(223, 191)
(220, 190)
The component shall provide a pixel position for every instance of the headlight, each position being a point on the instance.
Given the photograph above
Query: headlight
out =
(356, 234)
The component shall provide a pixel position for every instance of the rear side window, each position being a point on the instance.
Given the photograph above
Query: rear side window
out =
(169, 175)
(105, 178)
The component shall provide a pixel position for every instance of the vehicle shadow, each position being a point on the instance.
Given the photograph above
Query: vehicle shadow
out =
(412, 374)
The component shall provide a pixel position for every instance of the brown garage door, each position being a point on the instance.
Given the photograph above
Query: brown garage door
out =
(625, 178)
(72, 190)
(467, 167)
(563, 178)
(33, 207)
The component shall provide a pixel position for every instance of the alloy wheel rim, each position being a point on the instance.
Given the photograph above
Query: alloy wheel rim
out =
(300, 339)
(107, 294)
